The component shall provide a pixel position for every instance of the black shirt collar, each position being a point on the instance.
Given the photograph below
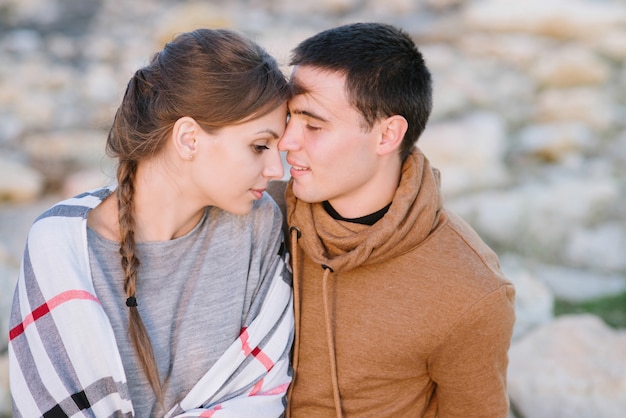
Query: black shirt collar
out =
(370, 219)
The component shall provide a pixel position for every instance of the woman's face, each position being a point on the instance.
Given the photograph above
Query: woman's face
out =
(232, 167)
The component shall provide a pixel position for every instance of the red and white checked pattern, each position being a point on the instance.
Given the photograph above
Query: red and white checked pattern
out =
(51, 346)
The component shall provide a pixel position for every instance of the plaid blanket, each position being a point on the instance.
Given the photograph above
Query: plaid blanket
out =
(63, 358)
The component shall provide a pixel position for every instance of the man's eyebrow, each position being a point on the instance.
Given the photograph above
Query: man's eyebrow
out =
(308, 114)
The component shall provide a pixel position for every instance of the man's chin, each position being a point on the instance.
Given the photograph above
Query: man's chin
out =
(305, 194)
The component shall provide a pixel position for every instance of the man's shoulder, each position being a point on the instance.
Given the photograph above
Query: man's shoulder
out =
(464, 250)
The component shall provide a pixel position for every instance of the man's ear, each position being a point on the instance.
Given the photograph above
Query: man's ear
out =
(393, 129)
(184, 135)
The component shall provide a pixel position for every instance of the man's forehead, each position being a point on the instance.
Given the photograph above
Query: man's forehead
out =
(319, 94)
(311, 79)
(309, 105)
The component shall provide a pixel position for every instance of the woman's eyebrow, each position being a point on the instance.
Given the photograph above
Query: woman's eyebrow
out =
(268, 131)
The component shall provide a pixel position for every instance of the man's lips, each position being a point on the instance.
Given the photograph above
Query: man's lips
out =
(297, 171)
(297, 168)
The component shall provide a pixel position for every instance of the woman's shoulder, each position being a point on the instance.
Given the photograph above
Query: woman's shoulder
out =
(77, 206)
(62, 225)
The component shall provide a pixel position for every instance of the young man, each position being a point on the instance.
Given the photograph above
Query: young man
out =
(401, 309)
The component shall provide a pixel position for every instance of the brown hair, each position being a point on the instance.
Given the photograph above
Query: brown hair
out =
(217, 77)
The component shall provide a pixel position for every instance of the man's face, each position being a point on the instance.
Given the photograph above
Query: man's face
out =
(332, 157)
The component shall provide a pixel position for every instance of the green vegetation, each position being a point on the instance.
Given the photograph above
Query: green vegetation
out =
(612, 309)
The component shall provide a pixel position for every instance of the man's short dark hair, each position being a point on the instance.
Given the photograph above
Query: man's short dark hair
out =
(385, 73)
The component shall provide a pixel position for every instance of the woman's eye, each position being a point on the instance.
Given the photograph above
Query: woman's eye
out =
(260, 148)
(313, 128)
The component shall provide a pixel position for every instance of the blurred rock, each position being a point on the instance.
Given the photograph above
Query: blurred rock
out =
(516, 49)
(573, 367)
(59, 154)
(469, 152)
(10, 128)
(5, 397)
(18, 182)
(87, 179)
(563, 19)
(330, 7)
(578, 285)
(534, 302)
(100, 84)
(601, 247)
(192, 15)
(15, 221)
(580, 104)
(571, 66)
(8, 279)
(21, 41)
(555, 141)
(614, 45)
(536, 219)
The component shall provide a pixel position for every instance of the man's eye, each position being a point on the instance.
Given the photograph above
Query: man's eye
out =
(313, 128)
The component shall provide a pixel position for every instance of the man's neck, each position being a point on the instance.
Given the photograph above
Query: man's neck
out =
(370, 219)
(377, 193)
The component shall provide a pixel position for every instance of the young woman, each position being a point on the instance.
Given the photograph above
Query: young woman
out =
(167, 294)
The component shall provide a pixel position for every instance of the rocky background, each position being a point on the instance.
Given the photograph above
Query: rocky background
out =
(529, 131)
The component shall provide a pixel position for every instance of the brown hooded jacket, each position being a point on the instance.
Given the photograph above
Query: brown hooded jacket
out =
(408, 317)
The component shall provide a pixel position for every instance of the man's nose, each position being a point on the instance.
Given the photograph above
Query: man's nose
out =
(289, 141)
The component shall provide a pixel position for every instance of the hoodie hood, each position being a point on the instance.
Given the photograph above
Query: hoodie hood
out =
(341, 245)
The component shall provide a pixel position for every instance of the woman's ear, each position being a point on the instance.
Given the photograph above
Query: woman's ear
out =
(184, 135)
(393, 129)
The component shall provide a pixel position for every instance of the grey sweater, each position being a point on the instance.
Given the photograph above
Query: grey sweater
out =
(194, 294)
